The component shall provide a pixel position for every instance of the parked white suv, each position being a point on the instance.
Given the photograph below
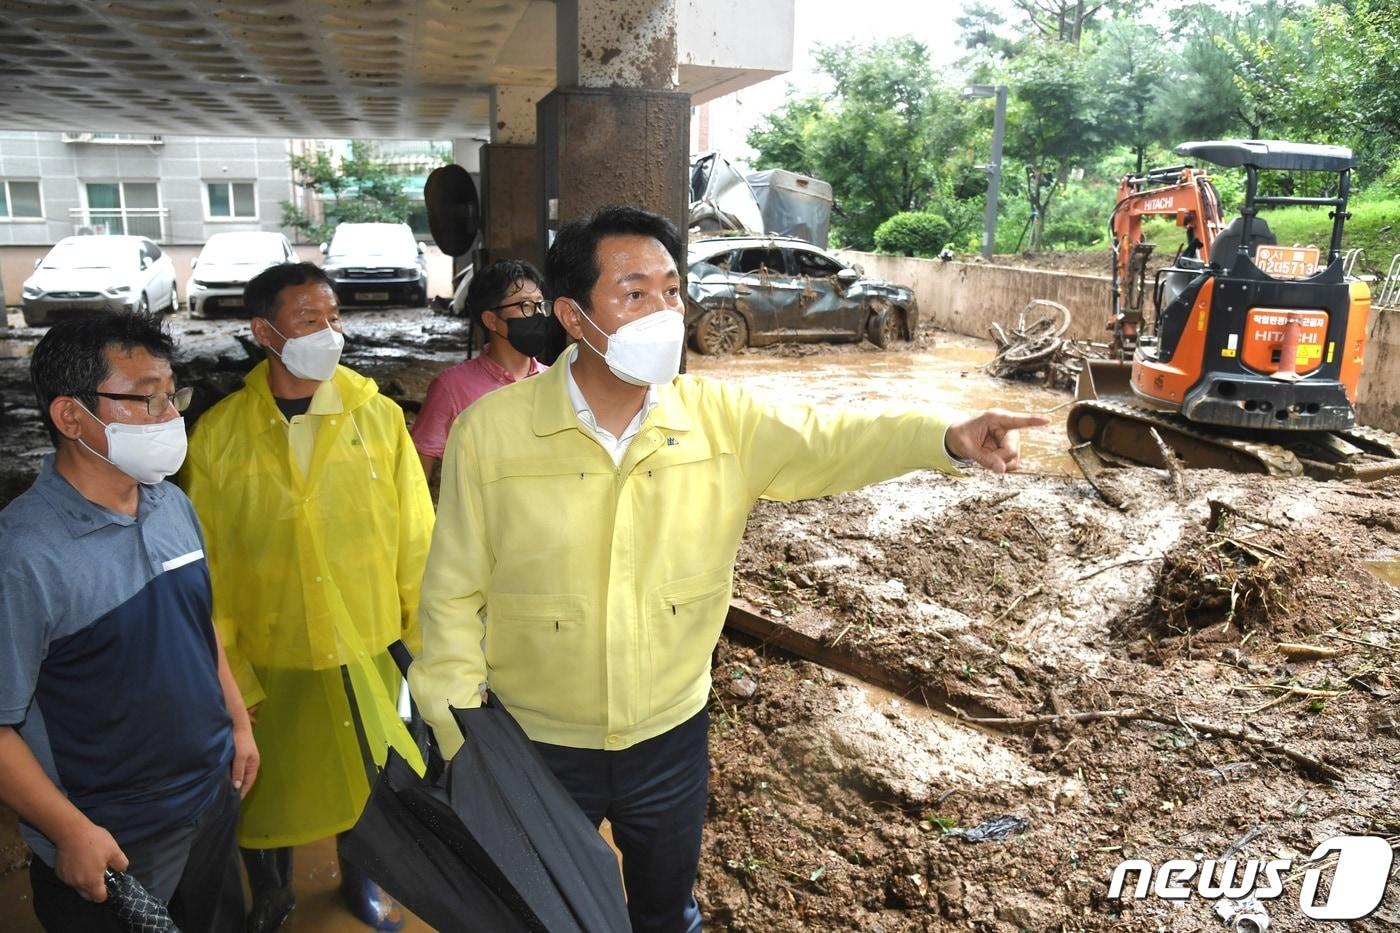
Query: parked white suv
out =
(226, 264)
(376, 264)
(99, 273)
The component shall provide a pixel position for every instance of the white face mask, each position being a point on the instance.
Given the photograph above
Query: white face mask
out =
(646, 351)
(148, 453)
(314, 356)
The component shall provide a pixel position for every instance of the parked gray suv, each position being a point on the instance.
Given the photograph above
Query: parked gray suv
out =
(751, 291)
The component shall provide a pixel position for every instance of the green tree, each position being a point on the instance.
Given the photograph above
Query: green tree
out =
(983, 28)
(1133, 73)
(1228, 67)
(1269, 55)
(888, 137)
(1064, 20)
(1055, 123)
(361, 188)
(786, 138)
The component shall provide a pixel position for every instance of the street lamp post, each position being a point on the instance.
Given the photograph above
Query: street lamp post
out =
(989, 228)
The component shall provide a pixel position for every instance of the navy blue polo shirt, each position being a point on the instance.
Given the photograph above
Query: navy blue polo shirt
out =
(108, 663)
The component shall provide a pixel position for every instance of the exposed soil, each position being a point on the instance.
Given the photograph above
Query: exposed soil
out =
(1079, 262)
(1021, 597)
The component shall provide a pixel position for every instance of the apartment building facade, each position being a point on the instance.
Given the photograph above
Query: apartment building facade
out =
(173, 189)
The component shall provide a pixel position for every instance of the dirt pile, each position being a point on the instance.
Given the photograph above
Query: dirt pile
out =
(1132, 715)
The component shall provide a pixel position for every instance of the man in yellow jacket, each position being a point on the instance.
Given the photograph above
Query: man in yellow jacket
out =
(318, 521)
(587, 528)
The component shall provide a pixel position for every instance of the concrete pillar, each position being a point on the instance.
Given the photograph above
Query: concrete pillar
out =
(510, 185)
(513, 113)
(616, 130)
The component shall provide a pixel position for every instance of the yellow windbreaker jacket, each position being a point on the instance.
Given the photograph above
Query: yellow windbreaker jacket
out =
(312, 571)
(588, 596)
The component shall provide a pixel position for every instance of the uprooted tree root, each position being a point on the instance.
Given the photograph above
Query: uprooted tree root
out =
(1211, 578)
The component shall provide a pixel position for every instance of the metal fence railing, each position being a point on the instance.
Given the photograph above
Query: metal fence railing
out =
(1388, 295)
(132, 221)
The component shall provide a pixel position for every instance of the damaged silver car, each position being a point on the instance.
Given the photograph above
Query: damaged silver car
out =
(750, 291)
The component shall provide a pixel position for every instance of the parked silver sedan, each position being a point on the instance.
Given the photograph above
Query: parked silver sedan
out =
(226, 264)
(99, 273)
(750, 291)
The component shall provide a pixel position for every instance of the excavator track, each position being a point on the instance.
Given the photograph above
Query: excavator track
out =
(1121, 430)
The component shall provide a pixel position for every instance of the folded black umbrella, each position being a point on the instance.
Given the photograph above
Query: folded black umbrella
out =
(494, 844)
(139, 910)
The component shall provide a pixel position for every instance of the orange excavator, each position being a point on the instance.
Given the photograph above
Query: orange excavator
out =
(1251, 355)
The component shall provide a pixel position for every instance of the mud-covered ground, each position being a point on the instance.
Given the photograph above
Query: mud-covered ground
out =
(837, 805)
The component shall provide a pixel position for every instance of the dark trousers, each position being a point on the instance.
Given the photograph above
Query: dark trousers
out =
(654, 794)
(200, 857)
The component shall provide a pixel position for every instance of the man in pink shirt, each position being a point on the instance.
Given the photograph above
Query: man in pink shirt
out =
(505, 298)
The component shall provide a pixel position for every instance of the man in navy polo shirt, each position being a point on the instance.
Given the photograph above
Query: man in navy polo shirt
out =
(124, 743)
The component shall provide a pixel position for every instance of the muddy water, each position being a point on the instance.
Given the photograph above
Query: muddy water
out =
(1385, 570)
(947, 376)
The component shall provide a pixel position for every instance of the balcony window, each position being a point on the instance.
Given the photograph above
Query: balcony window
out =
(127, 207)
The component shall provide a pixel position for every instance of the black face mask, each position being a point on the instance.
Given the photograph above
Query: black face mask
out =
(535, 335)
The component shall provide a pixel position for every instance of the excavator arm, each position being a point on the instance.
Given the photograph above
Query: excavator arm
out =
(1181, 192)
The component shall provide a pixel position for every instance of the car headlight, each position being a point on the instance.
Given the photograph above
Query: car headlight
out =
(116, 290)
(32, 291)
(408, 273)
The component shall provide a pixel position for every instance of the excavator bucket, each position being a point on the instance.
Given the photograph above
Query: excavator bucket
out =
(1104, 379)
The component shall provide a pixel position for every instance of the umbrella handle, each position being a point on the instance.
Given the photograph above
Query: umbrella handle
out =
(418, 729)
(402, 656)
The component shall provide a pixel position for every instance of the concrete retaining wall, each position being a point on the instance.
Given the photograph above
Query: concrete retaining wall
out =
(967, 298)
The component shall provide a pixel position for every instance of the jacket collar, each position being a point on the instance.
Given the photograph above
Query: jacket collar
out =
(554, 412)
(81, 516)
(345, 391)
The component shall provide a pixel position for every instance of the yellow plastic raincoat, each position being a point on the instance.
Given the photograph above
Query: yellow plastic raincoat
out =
(315, 573)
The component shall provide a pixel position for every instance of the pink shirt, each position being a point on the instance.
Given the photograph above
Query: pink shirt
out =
(452, 391)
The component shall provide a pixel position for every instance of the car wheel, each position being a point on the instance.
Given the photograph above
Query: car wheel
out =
(885, 327)
(721, 332)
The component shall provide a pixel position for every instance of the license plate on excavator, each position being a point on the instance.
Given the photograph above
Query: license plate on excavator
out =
(1286, 262)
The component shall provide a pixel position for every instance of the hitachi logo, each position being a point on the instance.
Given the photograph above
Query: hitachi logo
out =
(1159, 204)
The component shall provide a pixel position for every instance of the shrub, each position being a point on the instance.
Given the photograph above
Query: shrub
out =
(913, 234)
(1071, 234)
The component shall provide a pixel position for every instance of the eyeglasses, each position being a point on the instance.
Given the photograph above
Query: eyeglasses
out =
(528, 308)
(157, 402)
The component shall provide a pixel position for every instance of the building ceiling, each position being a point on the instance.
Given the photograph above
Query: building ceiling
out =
(308, 68)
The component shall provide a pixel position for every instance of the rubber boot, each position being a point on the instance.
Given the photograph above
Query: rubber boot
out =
(370, 904)
(270, 879)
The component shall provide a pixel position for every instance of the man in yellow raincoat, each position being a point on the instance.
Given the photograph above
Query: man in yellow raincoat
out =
(318, 520)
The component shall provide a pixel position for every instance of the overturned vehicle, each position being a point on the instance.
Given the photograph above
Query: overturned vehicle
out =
(750, 291)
